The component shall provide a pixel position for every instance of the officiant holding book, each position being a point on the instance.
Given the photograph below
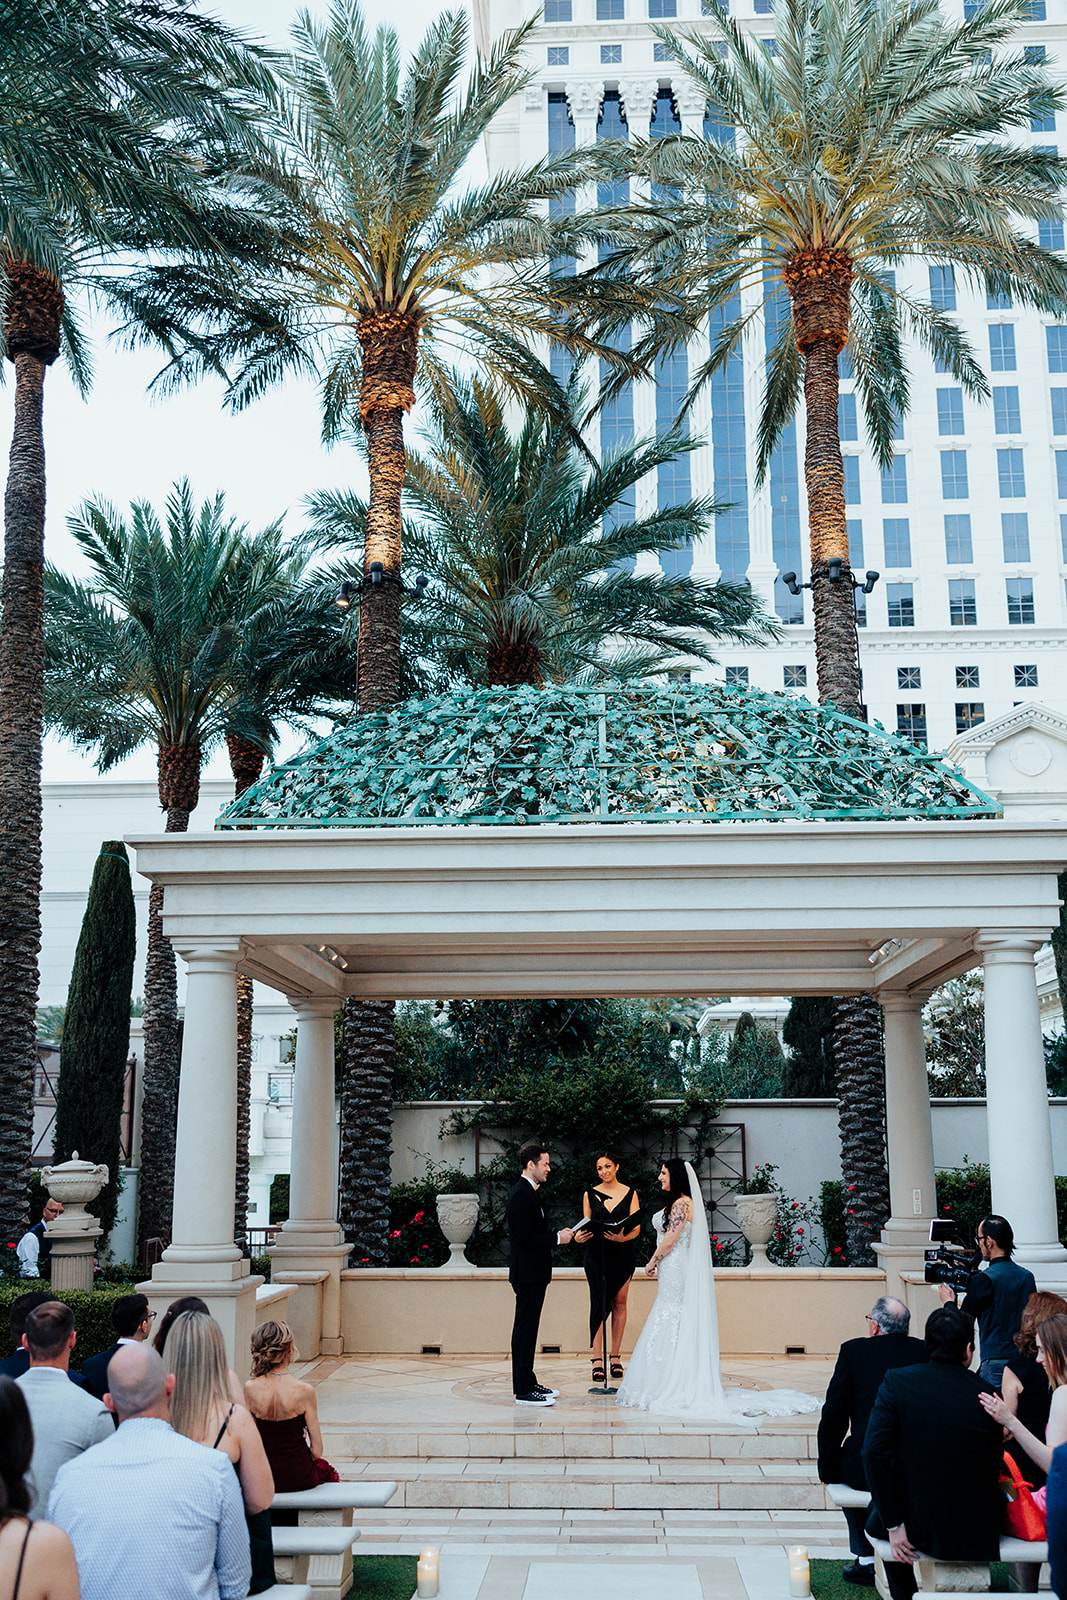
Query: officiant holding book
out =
(610, 1258)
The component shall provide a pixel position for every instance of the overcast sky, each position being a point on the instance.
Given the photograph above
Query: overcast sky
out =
(123, 445)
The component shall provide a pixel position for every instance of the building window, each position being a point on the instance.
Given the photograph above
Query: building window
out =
(1050, 235)
(954, 474)
(847, 427)
(895, 482)
(1056, 343)
(559, 55)
(958, 548)
(663, 8)
(1061, 474)
(1025, 677)
(1002, 347)
(943, 288)
(660, 52)
(950, 412)
(557, 10)
(1020, 592)
(1006, 410)
(718, 131)
(610, 55)
(909, 678)
(962, 611)
(896, 538)
(911, 723)
(797, 677)
(845, 370)
(610, 10)
(1058, 398)
(966, 677)
(1010, 474)
(1063, 537)
(997, 299)
(901, 604)
(851, 465)
(1015, 532)
(738, 676)
(854, 529)
(969, 713)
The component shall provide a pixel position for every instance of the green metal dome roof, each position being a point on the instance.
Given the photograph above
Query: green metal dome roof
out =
(671, 754)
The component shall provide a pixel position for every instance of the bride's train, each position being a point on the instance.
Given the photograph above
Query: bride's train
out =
(674, 1370)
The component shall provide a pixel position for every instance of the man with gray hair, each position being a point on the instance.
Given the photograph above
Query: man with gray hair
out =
(857, 1377)
(149, 1510)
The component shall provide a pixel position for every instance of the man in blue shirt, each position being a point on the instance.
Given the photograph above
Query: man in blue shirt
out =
(996, 1297)
(149, 1511)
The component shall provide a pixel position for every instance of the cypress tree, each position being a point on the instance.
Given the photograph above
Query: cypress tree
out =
(808, 1034)
(96, 1031)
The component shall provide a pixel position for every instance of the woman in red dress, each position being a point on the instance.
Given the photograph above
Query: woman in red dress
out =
(286, 1412)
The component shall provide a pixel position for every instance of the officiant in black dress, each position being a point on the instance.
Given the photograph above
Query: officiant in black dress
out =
(610, 1259)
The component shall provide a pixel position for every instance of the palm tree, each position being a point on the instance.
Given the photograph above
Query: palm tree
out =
(874, 137)
(110, 117)
(159, 647)
(519, 537)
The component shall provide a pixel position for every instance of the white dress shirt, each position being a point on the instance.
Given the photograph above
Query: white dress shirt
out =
(150, 1512)
(29, 1253)
(66, 1421)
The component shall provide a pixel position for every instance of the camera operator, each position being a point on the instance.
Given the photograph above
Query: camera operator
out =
(996, 1296)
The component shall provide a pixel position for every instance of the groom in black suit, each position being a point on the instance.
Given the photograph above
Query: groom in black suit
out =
(530, 1271)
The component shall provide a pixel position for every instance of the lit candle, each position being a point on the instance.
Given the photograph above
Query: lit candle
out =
(799, 1572)
(427, 1573)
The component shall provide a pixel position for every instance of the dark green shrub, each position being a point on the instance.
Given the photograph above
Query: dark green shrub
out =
(118, 1272)
(261, 1264)
(279, 1198)
(832, 1221)
(963, 1193)
(92, 1315)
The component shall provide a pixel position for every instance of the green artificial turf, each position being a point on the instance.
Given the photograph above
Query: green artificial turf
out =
(387, 1577)
(828, 1584)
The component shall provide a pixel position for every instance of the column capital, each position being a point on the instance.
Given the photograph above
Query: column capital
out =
(208, 954)
(310, 1006)
(584, 97)
(690, 99)
(1009, 944)
(902, 999)
(638, 96)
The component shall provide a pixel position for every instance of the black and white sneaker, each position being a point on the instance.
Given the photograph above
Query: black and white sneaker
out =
(541, 1389)
(536, 1397)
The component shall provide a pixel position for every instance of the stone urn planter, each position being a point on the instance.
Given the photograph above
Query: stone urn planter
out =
(757, 1214)
(457, 1214)
(75, 1184)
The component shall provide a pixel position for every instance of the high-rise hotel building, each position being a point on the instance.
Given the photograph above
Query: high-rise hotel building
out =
(968, 529)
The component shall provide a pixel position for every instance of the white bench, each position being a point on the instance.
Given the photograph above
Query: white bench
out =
(321, 1558)
(327, 1509)
(326, 1504)
(1016, 1552)
(285, 1591)
(843, 1495)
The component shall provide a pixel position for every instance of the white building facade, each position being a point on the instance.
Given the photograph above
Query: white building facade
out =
(969, 529)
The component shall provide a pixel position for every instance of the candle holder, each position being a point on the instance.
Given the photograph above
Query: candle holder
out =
(428, 1574)
(799, 1572)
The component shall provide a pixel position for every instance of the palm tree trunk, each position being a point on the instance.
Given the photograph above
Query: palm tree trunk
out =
(21, 683)
(820, 287)
(366, 1127)
(179, 791)
(246, 764)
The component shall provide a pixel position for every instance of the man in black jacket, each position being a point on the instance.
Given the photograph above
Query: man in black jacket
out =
(530, 1271)
(857, 1377)
(932, 1457)
(132, 1321)
(996, 1297)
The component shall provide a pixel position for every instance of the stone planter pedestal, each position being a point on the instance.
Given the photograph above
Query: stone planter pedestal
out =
(73, 1236)
(457, 1214)
(756, 1214)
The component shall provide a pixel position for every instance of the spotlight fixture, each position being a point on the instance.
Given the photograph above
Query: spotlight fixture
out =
(376, 576)
(344, 596)
(835, 572)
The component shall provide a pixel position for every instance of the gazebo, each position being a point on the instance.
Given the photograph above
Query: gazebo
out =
(679, 840)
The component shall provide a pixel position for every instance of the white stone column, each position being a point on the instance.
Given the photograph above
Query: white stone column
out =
(1017, 1109)
(310, 1250)
(202, 1258)
(909, 1136)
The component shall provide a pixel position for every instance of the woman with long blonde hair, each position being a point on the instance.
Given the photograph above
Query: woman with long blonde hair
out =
(286, 1412)
(201, 1409)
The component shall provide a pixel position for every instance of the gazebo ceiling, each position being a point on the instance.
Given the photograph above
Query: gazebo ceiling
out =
(564, 755)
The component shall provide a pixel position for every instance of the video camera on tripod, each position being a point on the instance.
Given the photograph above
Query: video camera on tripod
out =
(949, 1263)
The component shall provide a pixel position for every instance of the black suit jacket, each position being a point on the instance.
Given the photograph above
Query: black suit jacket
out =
(530, 1237)
(932, 1458)
(861, 1366)
(94, 1371)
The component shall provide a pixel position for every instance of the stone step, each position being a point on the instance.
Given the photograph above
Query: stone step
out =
(792, 1443)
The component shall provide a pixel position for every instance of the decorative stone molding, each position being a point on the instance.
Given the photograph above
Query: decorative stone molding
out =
(534, 96)
(457, 1214)
(584, 97)
(638, 96)
(689, 98)
(1001, 945)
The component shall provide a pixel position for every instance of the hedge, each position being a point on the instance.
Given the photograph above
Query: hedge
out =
(92, 1315)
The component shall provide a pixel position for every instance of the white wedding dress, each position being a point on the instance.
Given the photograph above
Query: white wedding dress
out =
(674, 1369)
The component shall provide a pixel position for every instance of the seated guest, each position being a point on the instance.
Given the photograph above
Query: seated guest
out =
(1025, 1386)
(66, 1419)
(149, 1512)
(857, 1377)
(34, 1248)
(201, 1409)
(188, 1302)
(286, 1413)
(36, 1559)
(14, 1366)
(132, 1321)
(1050, 1337)
(933, 1457)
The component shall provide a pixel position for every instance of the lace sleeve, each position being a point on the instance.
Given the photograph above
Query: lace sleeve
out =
(681, 1213)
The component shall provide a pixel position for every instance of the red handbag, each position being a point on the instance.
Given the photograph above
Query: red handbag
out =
(1023, 1517)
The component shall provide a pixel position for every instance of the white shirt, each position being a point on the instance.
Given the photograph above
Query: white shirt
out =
(66, 1420)
(29, 1253)
(150, 1512)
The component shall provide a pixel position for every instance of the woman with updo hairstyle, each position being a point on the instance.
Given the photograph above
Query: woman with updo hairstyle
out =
(609, 1259)
(36, 1558)
(286, 1412)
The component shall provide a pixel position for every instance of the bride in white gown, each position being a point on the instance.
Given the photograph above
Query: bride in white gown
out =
(674, 1369)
